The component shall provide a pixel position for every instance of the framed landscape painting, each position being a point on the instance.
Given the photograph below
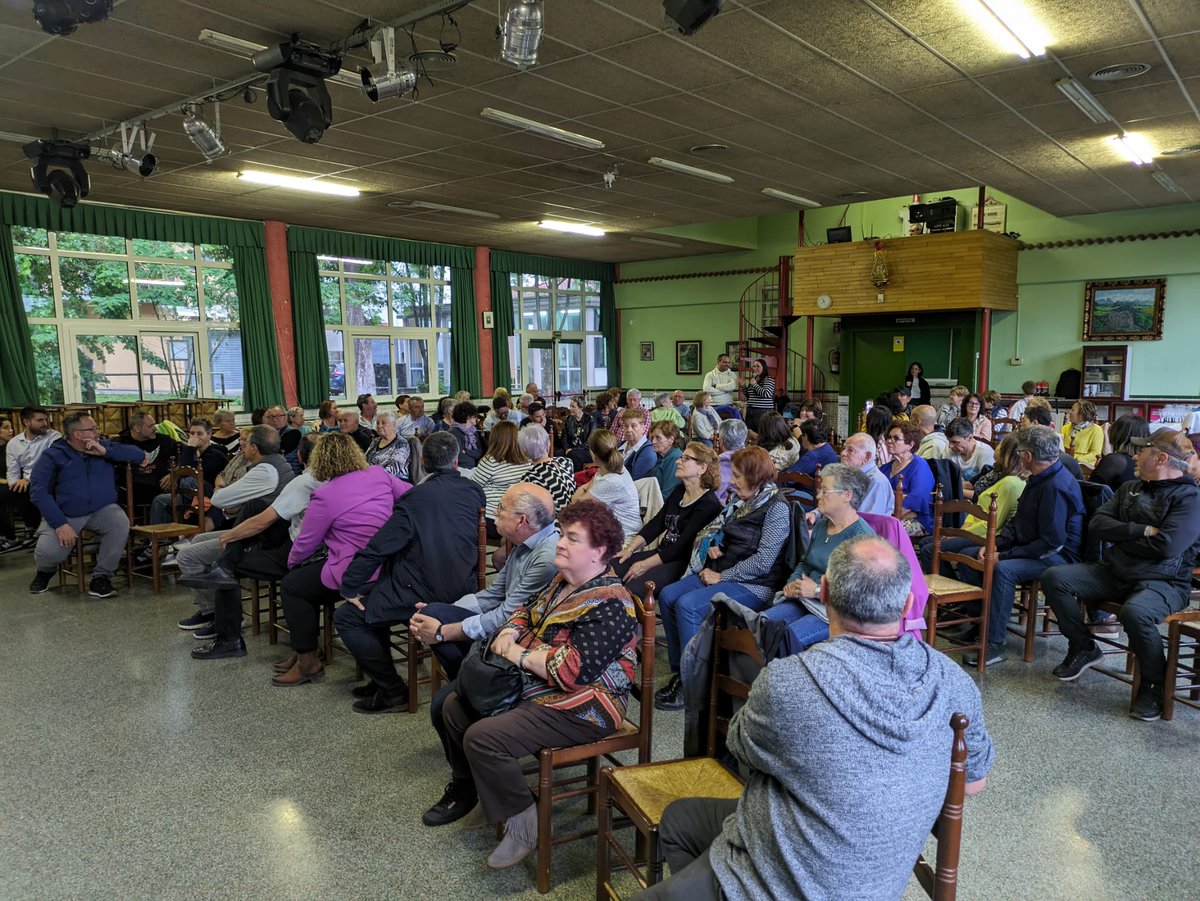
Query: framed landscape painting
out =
(687, 357)
(1127, 310)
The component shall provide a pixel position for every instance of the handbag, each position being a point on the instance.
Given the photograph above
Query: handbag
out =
(490, 684)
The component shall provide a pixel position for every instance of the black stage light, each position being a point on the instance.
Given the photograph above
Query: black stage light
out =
(62, 17)
(296, 92)
(688, 16)
(68, 182)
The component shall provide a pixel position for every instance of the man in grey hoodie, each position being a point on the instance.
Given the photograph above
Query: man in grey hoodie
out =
(848, 751)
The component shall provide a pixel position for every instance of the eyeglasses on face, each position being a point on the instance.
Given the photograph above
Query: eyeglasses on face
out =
(894, 438)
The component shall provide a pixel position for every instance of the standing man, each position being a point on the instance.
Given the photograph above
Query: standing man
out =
(367, 406)
(1153, 526)
(74, 488)
(721, 383)
(161, 453)
(859, 452)
(22, 452)
(934, 445)
(414, 422)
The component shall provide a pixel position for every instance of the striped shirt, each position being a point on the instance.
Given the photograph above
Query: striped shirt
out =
(495, 478)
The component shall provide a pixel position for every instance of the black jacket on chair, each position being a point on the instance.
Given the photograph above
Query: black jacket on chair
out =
(426, 553)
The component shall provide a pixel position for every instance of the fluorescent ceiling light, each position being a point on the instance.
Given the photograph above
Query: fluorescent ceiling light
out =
(685, 169)
(1012, 25)
(790, 198)
(1165, 180)
(293, 183)
(240, 47)
(574, 228)
(1084, 99)
(447, 208)
(349, 260)
(161, 282)
(541, 128)
(1134, 147)
(656, 241)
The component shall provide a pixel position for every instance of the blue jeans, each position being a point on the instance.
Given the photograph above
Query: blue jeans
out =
(804, 629)
(684, 605)
(1006, 576)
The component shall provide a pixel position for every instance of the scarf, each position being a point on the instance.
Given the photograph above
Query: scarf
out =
(470, 439)
(711, 534)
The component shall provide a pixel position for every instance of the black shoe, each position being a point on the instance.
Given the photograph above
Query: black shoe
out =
(365, 691)
(673, 699)
(216, 577)
(8, 545)
(669, 690)
(1148, 705)
(458, 800)
(195, 621)
(101, 587)
(41, 582)
(216, 650)
(1077, 661)
(995, 654)
(382, 703)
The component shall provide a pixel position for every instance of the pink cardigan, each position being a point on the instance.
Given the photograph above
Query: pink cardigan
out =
(892, 530)
(344, 514)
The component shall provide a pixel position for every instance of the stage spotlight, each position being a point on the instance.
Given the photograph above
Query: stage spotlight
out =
(144, 164)
(204, 136)
(296, 92)
(397, 81)
(521, 32)
(62, 17)
(66, 184)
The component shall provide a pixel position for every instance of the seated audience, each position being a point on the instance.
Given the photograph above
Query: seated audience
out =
(934, 445)
(733, 434)
(890, 402)
(367, 407)
(914, 477)
(809, 408)
(972, 411)
(967, 452)
(413, 422)
(679, 403)
(226, 433)
(200, 453)
(993, 409)
(685, 511)
(664, 410)
(776, 439)
(426, 553)
(445, 415)
(737, 554)
(1017, 410)
(879, 420)
(388, 450)
(903, 395)
(74, 488)
(21, 453)
(499, 469)
(859, 452)
(289, 437)
(1082, 436)
(577, 642)
(161, 452)
(636, 450)
(1045, 531)
(524, 517)
(535, 394)
(349, 423)
(605, 412)
(847, 749)
(952, 408)
(555, 474)
(1117, 466)
(575, 431)
(295, 418)
(664, 438)
(633, 402)
(705, 420)
(502, 411)
(612, 485)
(814, 438)
(537, 415)
(1152, 526)
(1038, 413)
(327, 417)
(471, 447)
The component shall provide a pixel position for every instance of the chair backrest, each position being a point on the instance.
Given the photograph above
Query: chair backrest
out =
(726, 688)
(1086, 470)
(647, 646)
(129, 493)
(178, 474)
(650, 498)
(790, 482)
(941, 510)
(416, 469)
(949, 485)
(482, 539)
(941, 882)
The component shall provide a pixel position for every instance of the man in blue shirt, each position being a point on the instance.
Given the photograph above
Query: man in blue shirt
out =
(74, 489)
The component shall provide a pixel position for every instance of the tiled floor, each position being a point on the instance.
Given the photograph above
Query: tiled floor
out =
(128, 770)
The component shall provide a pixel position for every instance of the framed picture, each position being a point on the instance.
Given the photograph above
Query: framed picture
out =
(647, 351)
(1126, 310)
(736, 350)
(489, 319)
(687, 357)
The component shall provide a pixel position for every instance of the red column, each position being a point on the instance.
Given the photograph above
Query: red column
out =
(483, 302)
(985, 343)
(281, 304)
(809, 342)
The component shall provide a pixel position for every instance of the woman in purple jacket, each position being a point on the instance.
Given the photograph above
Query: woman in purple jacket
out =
(343, 515)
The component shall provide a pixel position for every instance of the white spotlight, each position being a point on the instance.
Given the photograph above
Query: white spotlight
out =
(521, 32)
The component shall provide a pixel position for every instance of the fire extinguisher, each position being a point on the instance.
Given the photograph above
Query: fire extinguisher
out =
(835, 361)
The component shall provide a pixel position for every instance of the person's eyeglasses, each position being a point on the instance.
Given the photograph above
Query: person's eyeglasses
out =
(92, 429)
(693, 459)
(894, 438)
(824, 491)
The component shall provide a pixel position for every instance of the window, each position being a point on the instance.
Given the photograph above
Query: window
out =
(557, 341)
(387, 327)
(147, 320)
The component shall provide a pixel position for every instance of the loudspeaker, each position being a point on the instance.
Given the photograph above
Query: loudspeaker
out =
(688, 16)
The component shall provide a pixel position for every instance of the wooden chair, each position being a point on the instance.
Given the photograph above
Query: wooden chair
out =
(944, 590)
(898, 491)
(940, 881)
(155, 533)
(790, 482)
(641, 793)
(76, 565)
(1182, 681)
(628, 737)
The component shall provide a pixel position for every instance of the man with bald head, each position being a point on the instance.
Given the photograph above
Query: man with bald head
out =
(934, 445)
(859, 452)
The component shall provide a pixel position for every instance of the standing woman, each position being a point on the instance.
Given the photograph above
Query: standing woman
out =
(879, 420)
(918, 388)
(327, 417)
(612, 484)
(981, 425)
(917, 517)
(388, 449)
(759, 391)
(499, 469)
(1082, 436)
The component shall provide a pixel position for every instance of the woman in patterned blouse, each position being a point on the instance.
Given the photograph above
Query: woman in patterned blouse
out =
(555, 474)
(576, 641)
(388, 450)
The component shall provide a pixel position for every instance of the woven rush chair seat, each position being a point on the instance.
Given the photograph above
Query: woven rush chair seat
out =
(945, 587)
(649, 788)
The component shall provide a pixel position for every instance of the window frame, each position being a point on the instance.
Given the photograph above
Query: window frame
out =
(527, 289)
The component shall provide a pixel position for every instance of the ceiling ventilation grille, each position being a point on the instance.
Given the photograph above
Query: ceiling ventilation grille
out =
(1181, 151)
(1120, 72)
(708, 149)
(434, 59)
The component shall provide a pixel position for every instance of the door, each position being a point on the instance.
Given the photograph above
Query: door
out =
(555, 364)
(881, 363)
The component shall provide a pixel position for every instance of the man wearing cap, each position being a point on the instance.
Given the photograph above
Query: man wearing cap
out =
(1152, 525)
(904, 395)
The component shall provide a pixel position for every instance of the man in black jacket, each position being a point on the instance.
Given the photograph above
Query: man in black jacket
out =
(161, 451)
(426, 553)
(1153, 524)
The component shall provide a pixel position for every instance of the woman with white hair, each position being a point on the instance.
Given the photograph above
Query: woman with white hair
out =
(388, 450)
(555, 474)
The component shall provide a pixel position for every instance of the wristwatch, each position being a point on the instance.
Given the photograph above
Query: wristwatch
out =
(438, 637)
(525, 653)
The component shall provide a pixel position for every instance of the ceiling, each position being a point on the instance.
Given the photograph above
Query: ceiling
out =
(821, 99)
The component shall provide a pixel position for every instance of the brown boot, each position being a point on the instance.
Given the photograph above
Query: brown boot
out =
(282, 666)
(307, 668)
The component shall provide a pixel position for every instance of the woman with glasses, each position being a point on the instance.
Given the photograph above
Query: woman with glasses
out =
(973, 410)
(686, 510)
(914, 474)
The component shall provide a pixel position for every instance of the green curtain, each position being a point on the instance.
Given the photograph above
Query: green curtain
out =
(552, 267)
(18, 379)
(465, 366)
(375, 247)
(502, 327)
(608, 326)
(260, 343)
(308, 329)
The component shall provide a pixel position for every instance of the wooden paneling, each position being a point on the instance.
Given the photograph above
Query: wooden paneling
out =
(957, 271)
